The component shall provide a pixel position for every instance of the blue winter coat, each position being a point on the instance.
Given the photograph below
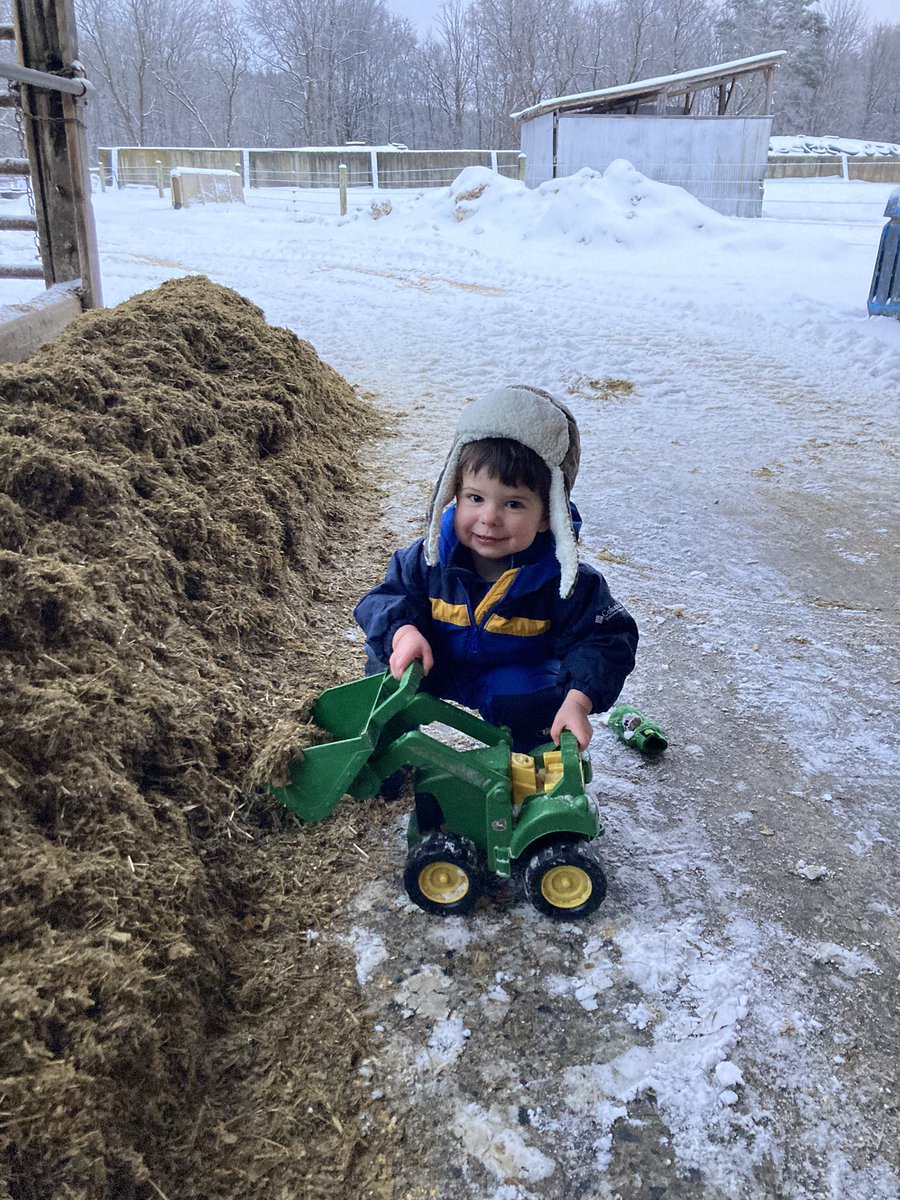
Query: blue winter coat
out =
(518, 621)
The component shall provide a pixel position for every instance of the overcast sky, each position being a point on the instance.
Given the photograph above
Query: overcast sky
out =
(422, 13)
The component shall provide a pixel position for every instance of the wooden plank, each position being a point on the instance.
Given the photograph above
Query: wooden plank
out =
(15, 166)
(25, 224)
(57, 149)
(25, 327)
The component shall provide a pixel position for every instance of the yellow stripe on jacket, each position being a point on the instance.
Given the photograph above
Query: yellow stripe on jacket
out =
(450, 614)
(518, 626)
(457, 614)
(495, 594)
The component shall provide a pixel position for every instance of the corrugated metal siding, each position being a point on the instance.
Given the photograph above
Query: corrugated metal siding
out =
(720, 160)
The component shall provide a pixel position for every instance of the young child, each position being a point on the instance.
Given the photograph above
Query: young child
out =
(493, 599)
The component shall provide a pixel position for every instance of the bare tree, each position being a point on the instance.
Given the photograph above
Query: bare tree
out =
(447, 64)
(230, 58)
(637, 37)
(118, 41)
(880, 118)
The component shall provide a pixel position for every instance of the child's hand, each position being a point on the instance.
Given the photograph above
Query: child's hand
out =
(408, 645)
(573, 715)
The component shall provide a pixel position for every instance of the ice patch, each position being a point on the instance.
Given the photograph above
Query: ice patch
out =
(849, 962)
(502, 1149)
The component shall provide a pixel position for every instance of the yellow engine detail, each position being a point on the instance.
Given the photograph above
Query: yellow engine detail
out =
(527, 778)
(524, 780)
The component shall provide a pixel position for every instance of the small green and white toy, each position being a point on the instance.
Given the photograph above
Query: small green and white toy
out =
(637, 731)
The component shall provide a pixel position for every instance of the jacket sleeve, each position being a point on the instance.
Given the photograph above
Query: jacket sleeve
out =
(402, 599)
(596, 640)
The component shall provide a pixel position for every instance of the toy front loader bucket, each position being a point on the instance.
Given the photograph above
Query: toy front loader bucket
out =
(355, 715)
(323, 776)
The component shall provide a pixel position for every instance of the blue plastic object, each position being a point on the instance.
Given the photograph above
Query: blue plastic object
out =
(884, 294)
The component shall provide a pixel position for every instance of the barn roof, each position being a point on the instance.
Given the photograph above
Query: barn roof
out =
(651, 89)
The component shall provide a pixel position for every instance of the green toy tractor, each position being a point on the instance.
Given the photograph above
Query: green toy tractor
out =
(498, 810)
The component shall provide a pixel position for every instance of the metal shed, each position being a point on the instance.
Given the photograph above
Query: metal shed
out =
(705, 130)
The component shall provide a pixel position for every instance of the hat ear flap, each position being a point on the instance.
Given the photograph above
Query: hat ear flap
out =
(444, 491)
(563, 531)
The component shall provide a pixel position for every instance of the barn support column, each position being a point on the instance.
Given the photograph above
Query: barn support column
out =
(767, 104)
(53, 122)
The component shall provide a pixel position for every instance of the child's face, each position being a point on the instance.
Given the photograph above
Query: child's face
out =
(495, 521)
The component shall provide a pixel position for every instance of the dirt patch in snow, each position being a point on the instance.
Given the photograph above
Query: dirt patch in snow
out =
(180, 500)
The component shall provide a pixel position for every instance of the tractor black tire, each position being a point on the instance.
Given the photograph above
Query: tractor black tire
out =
(443, 875)
(565, 880)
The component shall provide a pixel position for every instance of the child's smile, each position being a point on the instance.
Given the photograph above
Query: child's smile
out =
(495, 521)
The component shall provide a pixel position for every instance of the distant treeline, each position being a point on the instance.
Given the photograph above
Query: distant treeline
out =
(323, 72)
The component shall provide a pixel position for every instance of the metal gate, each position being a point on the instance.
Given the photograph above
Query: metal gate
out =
(47, 88)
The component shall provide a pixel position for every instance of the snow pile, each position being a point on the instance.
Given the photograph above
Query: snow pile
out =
(620, 205)
(801, 144)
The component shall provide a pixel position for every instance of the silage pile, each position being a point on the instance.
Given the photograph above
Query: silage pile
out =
(176, 479)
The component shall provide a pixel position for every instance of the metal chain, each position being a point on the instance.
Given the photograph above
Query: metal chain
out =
(16, 91)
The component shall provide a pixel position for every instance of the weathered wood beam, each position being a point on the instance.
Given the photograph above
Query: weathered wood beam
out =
(26, 327)
(768, 102)
(15, 166)
(53, 122)
(24, 224)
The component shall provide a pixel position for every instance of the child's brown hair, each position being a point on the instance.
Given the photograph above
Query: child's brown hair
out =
(514, 464)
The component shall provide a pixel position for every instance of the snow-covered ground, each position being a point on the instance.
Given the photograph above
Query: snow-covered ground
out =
(726, 1028)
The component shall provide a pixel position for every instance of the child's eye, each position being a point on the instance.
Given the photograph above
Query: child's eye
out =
(473, 498)
(514, 503)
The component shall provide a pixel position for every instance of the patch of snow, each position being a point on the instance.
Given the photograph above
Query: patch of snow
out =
(370, 951)
(489, 1136)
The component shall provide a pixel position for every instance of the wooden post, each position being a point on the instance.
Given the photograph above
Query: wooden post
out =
(342, 187)
(160, 186)
(767, 103)
(521, 174)
(53, 122)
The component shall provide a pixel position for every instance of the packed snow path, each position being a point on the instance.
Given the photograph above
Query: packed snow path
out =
(726, 1026)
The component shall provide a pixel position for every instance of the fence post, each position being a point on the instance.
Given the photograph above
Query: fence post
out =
(176, 191)
(101, 175)
(521, 175)
(245, 159)
(844, 171)
(159, 179)
(342, 187)
(374, 157)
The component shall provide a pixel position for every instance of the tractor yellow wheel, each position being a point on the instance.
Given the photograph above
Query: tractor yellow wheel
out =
(566, 887)
(443, 882)
(565, 880)
(443, 874)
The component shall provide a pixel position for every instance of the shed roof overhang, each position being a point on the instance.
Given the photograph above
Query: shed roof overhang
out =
(645, 90)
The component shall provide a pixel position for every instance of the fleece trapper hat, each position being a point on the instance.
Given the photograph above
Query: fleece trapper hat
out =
(537, 420)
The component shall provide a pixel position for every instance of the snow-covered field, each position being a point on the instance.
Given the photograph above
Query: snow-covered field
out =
(727, 1026)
